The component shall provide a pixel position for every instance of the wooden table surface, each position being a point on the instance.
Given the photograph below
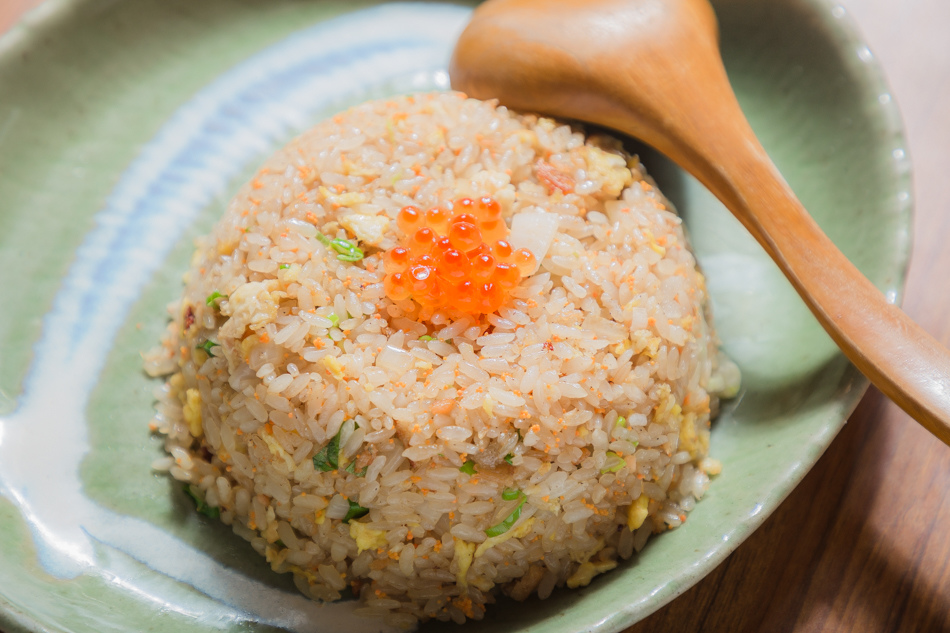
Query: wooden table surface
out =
(863, 544)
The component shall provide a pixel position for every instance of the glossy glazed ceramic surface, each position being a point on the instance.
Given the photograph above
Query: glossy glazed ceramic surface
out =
(123, 129)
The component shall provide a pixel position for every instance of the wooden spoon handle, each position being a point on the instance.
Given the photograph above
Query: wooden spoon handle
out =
(897, 355)
(721, 150)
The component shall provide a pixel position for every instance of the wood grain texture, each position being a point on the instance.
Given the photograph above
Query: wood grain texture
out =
(863, 543)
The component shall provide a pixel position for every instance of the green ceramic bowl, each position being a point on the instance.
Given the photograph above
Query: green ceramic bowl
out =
(124, 126)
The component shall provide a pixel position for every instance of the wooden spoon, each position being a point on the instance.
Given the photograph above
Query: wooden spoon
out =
(652, 69)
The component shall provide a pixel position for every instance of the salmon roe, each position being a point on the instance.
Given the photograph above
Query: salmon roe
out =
(455, 254)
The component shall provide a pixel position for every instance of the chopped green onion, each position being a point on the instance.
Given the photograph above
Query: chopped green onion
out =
(356, 511)
(207, 345)
(621, 421)
(334, 319)
(468, 467)
(328, 457)
(508, 459)
(426, 337)
(283, 267)
(200, 504)
(618, 463)
(346, 250)
(213, 297)
(505, 525)
(509, 494)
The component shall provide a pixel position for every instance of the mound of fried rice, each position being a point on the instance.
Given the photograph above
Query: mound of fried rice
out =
(426, 465)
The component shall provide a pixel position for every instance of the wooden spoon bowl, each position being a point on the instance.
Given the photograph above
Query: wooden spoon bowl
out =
(652, 69)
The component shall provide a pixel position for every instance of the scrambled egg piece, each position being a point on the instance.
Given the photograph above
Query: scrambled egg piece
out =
(586, 572)
(668, 412)
(270, 532)
(518, 532)
(651, 239)
(637, 512)
(488, 405)
(610, 168)
(369, 229)
(192, 412)
(645, 342)
(333, 366)
(366, 538)
(247, 344)
(585, 555)
(278, 451)
(290, 274)
(348, 199)
(464, 554)
(311, 577)
(252, 305)
(621, 347)
(276, 556)
(691, 441)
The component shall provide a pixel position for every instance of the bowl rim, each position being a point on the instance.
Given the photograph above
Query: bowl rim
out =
(838, 24)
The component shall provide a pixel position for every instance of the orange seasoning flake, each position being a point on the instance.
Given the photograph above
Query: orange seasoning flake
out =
(455, 254)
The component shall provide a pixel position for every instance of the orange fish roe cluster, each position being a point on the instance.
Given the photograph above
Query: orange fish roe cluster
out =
(455, 254)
